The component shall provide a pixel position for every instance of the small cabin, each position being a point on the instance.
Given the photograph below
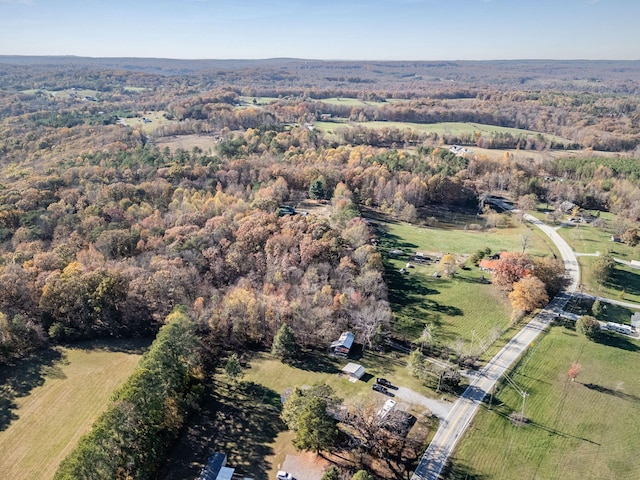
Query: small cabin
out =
(215, 468)
(342, 346)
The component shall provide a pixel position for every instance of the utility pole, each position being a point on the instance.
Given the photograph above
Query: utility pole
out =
(522, 393)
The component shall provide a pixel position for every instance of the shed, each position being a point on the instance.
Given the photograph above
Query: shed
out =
(354, 371)
(343, 345)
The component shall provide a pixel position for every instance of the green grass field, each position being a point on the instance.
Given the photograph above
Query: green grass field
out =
(441, 128)
(623, 285)
(50, 401)
(589, 239)
(587, 429)
(463, 307)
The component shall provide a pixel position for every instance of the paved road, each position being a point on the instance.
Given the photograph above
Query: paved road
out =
(452, 428)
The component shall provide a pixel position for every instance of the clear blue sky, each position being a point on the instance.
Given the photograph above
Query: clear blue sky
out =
(324, 29)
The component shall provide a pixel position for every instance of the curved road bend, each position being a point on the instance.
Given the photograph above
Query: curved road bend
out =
(452, 428)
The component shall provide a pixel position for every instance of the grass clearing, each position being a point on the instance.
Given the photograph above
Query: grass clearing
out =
(590, 239)
(52, 399)
(585, 429)
(623, 285)
(451, 128)
(466, 307)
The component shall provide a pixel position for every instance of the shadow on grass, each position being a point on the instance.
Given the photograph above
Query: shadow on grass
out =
(124, 345)
(455, 470)
(501, 409)
(614, 393)
(612, 340)
(615, 313)
(241, 421)
(19, 379)
(315, 362)
(624, 280)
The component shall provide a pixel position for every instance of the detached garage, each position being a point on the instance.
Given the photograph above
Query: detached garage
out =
(353, 371)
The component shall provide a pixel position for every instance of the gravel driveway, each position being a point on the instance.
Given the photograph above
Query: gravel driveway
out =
(439, 408)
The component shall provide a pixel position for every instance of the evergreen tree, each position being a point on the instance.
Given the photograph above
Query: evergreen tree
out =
(284, 344)
(596, 308)
(233, 369)
(317, 429)
(361, 475)
(318, 189)
(588, 326)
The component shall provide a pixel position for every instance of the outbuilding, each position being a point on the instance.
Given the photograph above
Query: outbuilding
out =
(353, 371)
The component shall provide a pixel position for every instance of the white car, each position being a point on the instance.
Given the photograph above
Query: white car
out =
(284, 476)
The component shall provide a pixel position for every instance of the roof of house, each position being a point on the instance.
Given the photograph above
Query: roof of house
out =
(488, 264)
(345, 340)
(215, 463)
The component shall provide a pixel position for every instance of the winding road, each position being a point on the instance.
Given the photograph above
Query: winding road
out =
(463, 410)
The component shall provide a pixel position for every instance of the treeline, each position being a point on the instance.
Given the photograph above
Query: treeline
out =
(131, 439)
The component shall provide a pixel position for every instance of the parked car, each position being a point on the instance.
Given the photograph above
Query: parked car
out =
(385, 383)
(284, 476)
(381, 389)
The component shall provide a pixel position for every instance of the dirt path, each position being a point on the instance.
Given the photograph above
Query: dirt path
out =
(439, 408)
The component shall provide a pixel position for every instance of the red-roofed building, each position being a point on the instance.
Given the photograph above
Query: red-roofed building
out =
(487, 265)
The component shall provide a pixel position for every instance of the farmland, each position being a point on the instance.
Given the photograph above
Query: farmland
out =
(585, 429)
(465, 307)
(52, 400)
(441, 128)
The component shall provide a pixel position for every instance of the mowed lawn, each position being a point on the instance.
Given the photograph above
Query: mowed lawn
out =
(466, 307)
(49, 420)
(587, 429)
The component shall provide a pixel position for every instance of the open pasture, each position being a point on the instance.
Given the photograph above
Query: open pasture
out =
(581, 430)
(464, 308)
(52, 399)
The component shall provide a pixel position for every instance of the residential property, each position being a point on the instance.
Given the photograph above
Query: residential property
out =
(487, 265)
(215, 468)
(460, 151)
(342, 346)
(566, 207)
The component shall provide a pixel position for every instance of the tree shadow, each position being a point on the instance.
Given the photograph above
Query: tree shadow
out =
(122, 345)
(623, 279)
(494, 404)
(617, 341)
(455, 470)
(614, 393)
(240, 421)
(313, 361)
(19, 379)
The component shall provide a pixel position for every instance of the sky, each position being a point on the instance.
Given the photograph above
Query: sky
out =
(324, 29)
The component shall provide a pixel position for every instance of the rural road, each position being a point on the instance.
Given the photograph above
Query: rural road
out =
(452, 428)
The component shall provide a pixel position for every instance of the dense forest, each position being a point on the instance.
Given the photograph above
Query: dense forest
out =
(104, 231)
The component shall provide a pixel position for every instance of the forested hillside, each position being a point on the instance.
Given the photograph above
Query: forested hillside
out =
(254, 220)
